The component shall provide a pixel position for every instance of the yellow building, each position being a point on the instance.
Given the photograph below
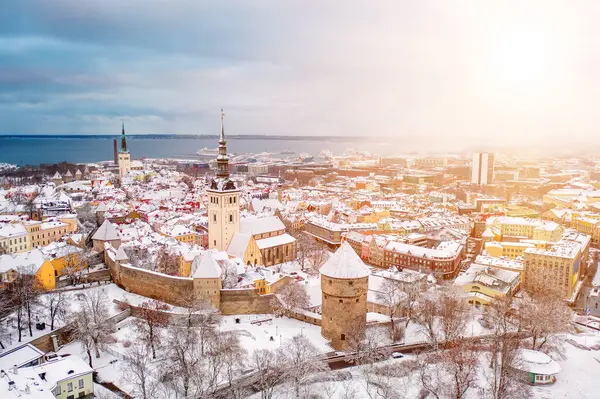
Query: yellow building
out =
(510, 250)
(555, 269)
(64, 256)
(514, 228)
(44, 233)
(243, 245)
(33, 262)
(482, 284)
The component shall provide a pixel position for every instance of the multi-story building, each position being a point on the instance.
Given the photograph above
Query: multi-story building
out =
(331, 233)
(482, 284)
(482, 168)
(443, 261)
(24, 236)
(554, 269)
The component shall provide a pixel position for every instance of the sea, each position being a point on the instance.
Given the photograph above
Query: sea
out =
(35, 150)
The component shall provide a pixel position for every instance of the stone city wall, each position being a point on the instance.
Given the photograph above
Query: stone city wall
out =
(153, 285)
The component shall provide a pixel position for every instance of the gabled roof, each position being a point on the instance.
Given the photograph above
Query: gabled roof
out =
(261, 225)
(69, 173)
(77, 172)
(57, 176)
(239, 243)
(206, 266)
(24, 262)
(345, 263)
(106, 232)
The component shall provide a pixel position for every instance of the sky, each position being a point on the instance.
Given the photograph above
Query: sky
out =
(468, 71)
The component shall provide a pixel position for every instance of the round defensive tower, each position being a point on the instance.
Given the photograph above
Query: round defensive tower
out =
(344, 286)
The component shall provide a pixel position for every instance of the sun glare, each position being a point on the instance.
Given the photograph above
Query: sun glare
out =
(522, 60)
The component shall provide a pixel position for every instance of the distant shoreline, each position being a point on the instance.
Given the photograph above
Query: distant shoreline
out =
(188, 136)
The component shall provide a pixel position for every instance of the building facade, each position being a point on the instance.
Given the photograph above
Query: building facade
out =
(482, 168)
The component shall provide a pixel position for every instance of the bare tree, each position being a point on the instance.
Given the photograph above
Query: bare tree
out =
(138, 372)
(229, 275)
(184, 372)
(89, 324)
(87, 218)
(152, 317)
(56, 305)
(138, 256)
(290, 298)
(450, 372)
(6, 309)
(318, 256)
(166, 263)
(266, 364)
(461, 362)
(299, 359)
(25, 297)
(202, 315)
(443, 316)
(392, 296)
(546, 317)
(73, 264)
(502, 316)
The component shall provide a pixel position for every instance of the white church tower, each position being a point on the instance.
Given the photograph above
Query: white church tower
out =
(124, 156)
(223, 201)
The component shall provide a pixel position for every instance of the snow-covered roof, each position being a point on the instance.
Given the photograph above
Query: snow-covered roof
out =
(120, 254)
(63, 369)
(206, 266)
(345, 263)
(535, 362)
(106, 232)
(20, 356)
(261, 225)
(239, 244)
(57, 176)
(275, 241)
(23, 262)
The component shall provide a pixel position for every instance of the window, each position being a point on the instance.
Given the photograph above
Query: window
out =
(71, 397)
(214, 217)
(70, 387)
(57, 391)
(231, 218)
(341, 301)
(81, 383)
(343, 337)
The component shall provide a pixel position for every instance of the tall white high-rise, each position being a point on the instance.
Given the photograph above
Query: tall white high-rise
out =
(482, 169)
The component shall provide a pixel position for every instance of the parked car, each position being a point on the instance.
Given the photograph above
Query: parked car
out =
(397, 355)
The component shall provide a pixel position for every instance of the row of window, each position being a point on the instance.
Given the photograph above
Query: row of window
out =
(230, 200)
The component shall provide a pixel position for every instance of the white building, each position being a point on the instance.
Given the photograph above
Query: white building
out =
(482, 168)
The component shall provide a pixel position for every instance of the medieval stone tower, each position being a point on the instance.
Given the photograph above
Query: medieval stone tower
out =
(124, 156)
(223, 201)
(344, 286)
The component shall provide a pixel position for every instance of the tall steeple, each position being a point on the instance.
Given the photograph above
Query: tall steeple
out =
(222, 159)
(123, 141)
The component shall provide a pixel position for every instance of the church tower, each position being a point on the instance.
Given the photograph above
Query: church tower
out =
(124, 156)
(223, 201)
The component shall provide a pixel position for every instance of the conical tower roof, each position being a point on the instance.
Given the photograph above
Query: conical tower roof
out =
(345, 263)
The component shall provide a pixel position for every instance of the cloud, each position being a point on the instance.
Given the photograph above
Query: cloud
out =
(423, 72)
